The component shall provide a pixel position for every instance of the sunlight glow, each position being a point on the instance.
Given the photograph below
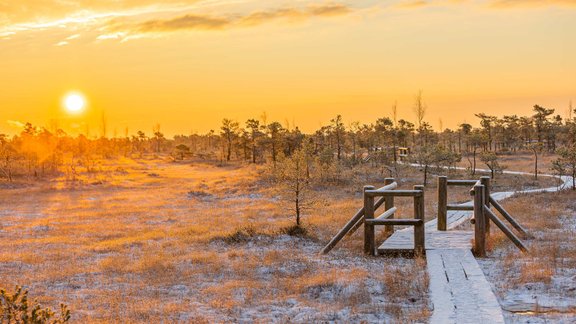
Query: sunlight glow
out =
(74, 102)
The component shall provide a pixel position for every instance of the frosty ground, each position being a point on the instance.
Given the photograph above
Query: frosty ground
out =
(150, 240)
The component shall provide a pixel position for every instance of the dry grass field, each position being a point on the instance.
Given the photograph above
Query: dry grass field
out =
(521, 161)
(152, 240)
(146, 241)
(538, 286)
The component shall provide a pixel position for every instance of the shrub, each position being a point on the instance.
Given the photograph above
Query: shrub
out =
(15, 308)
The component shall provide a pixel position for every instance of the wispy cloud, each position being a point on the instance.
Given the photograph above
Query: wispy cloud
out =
(209, 22)
(413, 4)
(531, 3)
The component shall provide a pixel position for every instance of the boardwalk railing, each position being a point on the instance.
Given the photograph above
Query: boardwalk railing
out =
(358, 219)
(386, 217)
(482, 212)
(444, 207)
(483, 215)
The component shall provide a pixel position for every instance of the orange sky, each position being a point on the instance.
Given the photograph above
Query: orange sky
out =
(187, 64)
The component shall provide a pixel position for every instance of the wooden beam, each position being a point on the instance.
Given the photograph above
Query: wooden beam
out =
(475, 184)
(390, 184)
(388, 214)
(505, 229)
(369, 244)
(465, 183)
(419, 232)
(389, 204)
(379, 202)
(442, 203)
(509, 218)
(486, 183)
(479, 227)
(459, 207)
(410, 222)
(353, 224)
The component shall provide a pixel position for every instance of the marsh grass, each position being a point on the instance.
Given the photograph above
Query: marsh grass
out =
(547, 269)
(202, 243)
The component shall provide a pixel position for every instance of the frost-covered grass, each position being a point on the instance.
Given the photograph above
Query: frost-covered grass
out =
(539, 286)
(148, 240)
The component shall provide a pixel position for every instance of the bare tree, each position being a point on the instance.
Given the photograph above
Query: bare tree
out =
(419, 108)
(229, 131)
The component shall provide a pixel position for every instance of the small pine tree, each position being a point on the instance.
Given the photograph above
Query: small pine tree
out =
(292, 174)
(15, 308)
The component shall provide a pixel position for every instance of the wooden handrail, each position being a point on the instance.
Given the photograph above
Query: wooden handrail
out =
(509, 217)
(356, 221)
(477, 183)
(388, 213)
(411, 222)
(505, 229)
(464, 183)
(390, 186)
(459, 207)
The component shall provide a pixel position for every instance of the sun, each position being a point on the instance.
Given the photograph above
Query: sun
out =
(74, 102)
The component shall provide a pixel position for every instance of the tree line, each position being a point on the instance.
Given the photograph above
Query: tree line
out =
(39, 152)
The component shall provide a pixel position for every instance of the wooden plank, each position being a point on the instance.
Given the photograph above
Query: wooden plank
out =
(406, 222)
(509, 217)
(403, 241)
(464, 183)
(479, 224)
(442, 202)
(369, 243)
(505, 229)
(459, 207)
(459, 291)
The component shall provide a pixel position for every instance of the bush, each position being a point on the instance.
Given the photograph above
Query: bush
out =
(15, 308)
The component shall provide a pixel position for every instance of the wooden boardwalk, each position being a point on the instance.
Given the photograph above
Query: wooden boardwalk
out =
(458, 289)
(403, 241)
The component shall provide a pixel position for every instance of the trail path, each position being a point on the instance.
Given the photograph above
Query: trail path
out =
(458, 289)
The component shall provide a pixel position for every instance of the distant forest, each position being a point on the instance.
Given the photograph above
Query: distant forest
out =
(39, 152)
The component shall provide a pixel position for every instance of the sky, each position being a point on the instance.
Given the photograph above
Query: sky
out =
(187, 64)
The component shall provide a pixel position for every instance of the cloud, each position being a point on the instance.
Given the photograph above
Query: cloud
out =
(208, 22)
(413, 4)
(329, 10)
(531, 3)
(15, 12)
(183, 22)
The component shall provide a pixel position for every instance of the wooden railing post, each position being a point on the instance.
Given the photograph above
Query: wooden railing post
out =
(485, 181)
(389, 203)
(369, 244)
(442, 202)
(479, 222)
(419, 233)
